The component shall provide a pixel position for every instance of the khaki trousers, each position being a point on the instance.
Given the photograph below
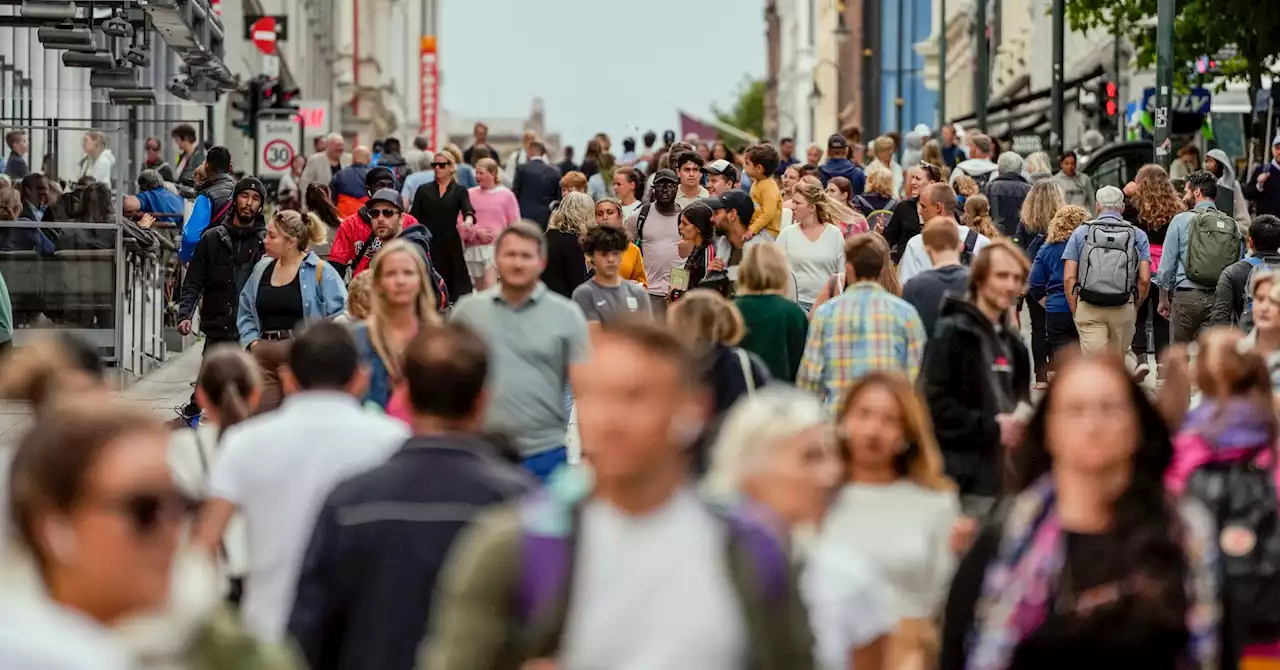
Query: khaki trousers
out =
(1106, 328)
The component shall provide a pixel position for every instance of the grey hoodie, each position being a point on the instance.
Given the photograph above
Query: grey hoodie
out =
(914, 142)
(1240, 208)
(977, 168)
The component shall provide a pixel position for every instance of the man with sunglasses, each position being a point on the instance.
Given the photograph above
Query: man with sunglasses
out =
(355, 241)
(389, 221)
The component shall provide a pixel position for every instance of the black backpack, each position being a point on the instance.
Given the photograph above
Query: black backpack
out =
(1242, 498)
(970, 242)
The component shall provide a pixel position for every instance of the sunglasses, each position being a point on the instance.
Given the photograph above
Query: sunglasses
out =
(147, 511)
(439, 165)
(383, 213)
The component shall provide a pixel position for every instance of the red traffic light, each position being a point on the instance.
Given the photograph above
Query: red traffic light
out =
(1111, 108)
(1112, 90)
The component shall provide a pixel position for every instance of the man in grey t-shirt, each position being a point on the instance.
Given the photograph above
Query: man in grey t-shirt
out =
(606, 296)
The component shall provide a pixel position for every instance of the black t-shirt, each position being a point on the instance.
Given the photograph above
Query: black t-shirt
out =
(279, 307)
(1111, 638)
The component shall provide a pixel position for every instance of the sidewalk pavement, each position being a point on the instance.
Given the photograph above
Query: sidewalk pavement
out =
(162, 390)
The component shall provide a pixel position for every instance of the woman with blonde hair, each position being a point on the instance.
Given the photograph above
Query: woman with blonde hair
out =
(440, 206)
(977, 215)
(776, 327)
(566, 265)
(896, 510)
(98, 162)
(289, 285)
(876, 203)
(1045, 283)
(713, 328)
(1038, 167)
(814, 246)
(403, 302)
(1043, 202)
(495, 208)
(776, 452)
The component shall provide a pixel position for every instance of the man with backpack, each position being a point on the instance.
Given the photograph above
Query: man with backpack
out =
(655, 228)
(1199, 246)
(1233, 297)
(938, 200)
(660, 577)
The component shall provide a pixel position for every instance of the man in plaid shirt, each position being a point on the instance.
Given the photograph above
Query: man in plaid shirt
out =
(865, 329)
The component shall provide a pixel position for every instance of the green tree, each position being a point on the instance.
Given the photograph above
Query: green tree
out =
(1202, 28)
(747, 112)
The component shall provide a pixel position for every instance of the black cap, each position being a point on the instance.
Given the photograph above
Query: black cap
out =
(699, 214)
(378, 174)
(735, 199)
(665, 174)
(837, 141)
(250, 184)
(387, 195)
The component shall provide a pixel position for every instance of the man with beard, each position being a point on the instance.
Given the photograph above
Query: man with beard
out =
(389, 221)
(212, 204)
(655, 228)
(354, 242)
(220, 264)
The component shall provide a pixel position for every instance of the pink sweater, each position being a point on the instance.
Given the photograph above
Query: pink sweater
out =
(495, 208)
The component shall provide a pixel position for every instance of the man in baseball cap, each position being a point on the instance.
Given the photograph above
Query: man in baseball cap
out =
(839, 165)
(722, 176)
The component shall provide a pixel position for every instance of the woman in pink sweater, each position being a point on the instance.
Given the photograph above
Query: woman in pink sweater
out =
(496, 208)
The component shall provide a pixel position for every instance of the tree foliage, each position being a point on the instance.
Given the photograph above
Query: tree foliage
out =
(747, 112)
(1202, 28)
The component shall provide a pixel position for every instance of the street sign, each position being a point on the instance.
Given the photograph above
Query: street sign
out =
(263, 35)
(271, 66)
(278, 138)
(429, 90)
(1197, 101)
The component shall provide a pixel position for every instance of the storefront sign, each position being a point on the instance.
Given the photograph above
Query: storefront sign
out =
(429, 82)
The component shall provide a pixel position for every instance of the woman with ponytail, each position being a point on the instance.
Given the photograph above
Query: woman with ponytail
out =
(403, 302)
(815, 244)
(977, 215)
(228, 391)
(290, 284)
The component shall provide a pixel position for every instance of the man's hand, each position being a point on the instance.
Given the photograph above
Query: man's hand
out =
(1163, 306)
(1263, 177)
(748, 235)
(184, 327)
(1011, 430)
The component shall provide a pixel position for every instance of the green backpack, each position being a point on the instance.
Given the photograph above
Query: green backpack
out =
(1213, 242)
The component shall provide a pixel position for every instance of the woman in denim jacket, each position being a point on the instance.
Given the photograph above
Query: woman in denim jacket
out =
(286, 287)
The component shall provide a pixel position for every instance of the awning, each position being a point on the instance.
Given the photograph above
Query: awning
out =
(1043, 94)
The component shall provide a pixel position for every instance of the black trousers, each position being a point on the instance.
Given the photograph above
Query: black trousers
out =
(1040, 349)
(1149, 318)
(210, 343)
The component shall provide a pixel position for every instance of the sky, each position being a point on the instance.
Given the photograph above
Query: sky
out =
(593, 61)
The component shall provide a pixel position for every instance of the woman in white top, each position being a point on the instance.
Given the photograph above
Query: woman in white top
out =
(98, 161)
(227, 391)
(897, 509)
(628, 183)
(775, 453)
(815, 245)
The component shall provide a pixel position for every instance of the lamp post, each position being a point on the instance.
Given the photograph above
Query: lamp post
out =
(942, 68)
(901, 66)
(815, 95)
(1056, 91)
(981, 76)
(1166, 11)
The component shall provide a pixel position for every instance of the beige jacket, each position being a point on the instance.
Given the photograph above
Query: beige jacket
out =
(317, 171)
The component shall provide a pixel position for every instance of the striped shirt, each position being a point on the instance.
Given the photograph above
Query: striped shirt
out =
(864, 330)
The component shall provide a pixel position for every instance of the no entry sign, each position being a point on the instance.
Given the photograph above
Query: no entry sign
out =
(264, 35)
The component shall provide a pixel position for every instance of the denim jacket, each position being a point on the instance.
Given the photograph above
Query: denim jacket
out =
(379, 391)
(326, 301)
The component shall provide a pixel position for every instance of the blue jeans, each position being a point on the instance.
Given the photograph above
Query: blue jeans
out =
(543, 464)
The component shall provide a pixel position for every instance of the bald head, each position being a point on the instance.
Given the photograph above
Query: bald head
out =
(361, 155)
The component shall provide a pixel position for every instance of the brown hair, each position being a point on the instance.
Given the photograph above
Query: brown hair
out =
(977, 215)
(1157, 201)
(981, 269)
(921, 461)
(707, 318)
(574, 180)
(1224, 369)
(229, 376)
(941, 234)
(965, 185)
(866, 254)
(655, 339)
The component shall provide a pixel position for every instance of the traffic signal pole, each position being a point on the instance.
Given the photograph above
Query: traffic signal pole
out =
(1056, 91)
(1166, 10)
(982, 76)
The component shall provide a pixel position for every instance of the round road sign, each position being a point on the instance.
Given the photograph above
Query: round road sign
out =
(277, 154)
(264, 34)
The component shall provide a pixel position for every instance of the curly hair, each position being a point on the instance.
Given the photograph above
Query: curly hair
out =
(1157, 201)
(1065, 222)
(576, 213)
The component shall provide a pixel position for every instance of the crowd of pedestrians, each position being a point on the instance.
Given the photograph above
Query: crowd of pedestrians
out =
(676, 407)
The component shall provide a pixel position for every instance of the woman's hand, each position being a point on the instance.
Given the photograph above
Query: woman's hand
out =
(962, 534)
(484, 236)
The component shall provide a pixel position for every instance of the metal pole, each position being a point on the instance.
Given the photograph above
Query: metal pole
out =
(1121, 121)
(982, 76)
(1056, 91)
(897, 78)
(1165, 12)
(942, 69)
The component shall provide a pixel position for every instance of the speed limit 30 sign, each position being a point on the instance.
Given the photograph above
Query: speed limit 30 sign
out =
(277, 142)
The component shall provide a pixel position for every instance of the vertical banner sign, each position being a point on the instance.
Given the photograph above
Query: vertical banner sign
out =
(429, 90)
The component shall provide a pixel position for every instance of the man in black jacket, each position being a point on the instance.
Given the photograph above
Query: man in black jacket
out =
(1233, 296)
(537, 185)
(975, 375)
(1006, 193)
(368, 578)
(1263, 185)
(220, 265)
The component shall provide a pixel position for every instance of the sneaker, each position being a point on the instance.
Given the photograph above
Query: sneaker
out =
(1140, 373)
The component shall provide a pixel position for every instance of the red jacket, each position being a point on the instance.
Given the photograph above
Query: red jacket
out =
(353, 234)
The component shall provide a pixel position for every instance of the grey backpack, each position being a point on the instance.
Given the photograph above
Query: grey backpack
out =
(1108, 268)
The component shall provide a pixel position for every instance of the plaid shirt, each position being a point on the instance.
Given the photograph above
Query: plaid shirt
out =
(864, 330)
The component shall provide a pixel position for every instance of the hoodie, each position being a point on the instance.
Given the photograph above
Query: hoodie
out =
(1077, 190)
(220, 264)
(354, 235)
(1230, 194)
(420, 236)
(973, 371)
(843, 167)
(980, 170)
(914, 142)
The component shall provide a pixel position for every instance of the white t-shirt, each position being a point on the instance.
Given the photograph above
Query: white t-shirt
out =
(916, 260)
(902, 530)
(192, 456)
(653, 592)
(812, 261)
(848, 605)
(278, 469)
(628, 210)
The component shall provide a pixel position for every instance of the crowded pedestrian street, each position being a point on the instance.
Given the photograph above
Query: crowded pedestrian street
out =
(928, 336)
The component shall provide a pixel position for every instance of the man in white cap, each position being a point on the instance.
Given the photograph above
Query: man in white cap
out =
(1263, 186)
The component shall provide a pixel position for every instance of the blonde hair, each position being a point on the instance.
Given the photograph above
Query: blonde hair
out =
(880, 181)
(882, 144)
(1038, 163)
(10, 200)
(453, 152)
(306, 230)
(487, 165)
(360, 296)
(830, 211)
(764, 269)
(1043, 201)
(921, 462)
(752, 430)
(576, 213)
(977, 215)
(965, 185)
(704, 318)
(425, 309)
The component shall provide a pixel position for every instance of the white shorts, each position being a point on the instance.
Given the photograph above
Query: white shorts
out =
(479, 259)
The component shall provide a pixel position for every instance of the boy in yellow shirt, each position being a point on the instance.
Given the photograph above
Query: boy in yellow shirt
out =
(759, 163)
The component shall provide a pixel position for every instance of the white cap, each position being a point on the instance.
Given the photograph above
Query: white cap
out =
(922, 130)
(1276, 140)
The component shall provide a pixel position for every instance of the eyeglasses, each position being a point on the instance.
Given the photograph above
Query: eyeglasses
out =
(439, 165)
(383, 213)
(147, 511)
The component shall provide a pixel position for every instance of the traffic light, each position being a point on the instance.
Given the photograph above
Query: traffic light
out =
(1208, 66)
(1108, 106)
(248, 103)
(283, 98)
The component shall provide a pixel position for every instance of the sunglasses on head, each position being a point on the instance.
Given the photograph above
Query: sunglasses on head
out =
(147, 511)
(383, 213)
